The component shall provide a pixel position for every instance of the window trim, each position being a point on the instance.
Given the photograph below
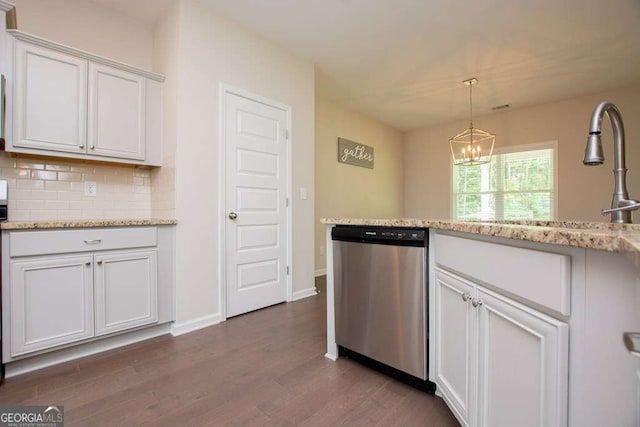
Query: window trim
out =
(552, 144)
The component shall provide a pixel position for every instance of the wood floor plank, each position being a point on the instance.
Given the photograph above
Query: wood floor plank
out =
(265, 368)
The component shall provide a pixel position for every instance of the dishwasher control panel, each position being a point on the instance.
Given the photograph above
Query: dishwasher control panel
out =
(397, 235)
(384, 235)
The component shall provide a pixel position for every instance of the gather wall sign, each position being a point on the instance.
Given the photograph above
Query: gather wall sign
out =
(354, 153)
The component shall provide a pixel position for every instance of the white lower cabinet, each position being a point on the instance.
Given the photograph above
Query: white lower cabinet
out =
(125, 287)
(455, 345)
(73, 285)
(498, 362)
(51, 302)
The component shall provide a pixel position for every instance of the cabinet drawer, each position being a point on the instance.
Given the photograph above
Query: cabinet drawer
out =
(26, 243)
(541, 277)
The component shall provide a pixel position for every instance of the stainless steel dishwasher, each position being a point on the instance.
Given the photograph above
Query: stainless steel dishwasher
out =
(380, 288)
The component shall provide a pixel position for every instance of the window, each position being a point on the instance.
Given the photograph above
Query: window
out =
(515, 185)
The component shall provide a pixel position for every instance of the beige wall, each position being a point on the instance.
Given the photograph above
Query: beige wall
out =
(582, 191)
(88, 26)
(350, 191)
(213, 50)
(166, 60)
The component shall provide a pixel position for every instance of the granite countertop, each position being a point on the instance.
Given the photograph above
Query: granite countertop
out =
(588, 235)
(33, 225)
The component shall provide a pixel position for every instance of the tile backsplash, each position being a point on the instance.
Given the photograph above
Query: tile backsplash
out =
(52, 189)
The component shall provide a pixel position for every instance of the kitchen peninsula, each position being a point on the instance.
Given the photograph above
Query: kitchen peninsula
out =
(526, 319)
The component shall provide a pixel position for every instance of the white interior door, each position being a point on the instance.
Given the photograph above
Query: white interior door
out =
(256, 204)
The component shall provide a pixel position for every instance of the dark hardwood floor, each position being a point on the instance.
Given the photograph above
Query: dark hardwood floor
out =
(263, 368)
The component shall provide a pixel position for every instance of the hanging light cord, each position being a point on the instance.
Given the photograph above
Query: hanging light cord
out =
(471, 105)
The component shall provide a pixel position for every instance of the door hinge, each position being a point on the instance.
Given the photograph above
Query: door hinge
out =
(286, 201)
(287, 270)
(286, 134)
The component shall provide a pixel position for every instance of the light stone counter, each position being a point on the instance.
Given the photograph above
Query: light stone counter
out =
(588, 235)
(33, 225)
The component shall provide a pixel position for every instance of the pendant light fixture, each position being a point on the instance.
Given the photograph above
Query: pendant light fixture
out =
(472, 146)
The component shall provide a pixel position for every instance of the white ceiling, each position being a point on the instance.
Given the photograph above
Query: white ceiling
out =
(403, 61)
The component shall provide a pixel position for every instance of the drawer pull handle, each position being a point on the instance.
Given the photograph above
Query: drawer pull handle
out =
(93, 242)
(99, 262)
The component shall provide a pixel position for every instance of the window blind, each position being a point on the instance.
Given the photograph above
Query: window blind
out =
(517, 185)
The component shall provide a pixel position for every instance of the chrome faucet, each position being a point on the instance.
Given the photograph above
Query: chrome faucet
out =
(621, 204)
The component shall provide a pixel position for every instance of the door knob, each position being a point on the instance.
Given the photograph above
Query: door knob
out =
(233, 215)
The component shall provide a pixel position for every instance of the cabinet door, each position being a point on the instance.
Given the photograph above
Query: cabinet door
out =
(51, 303)
(116, 113)
(50, 100)
(522, 365)
(454, 344)
(126, 290)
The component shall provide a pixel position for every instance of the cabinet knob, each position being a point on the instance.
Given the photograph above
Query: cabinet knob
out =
(81, 147)
(476, 302)
(631, 342)
(233, 215)
(466, 297)
(99, 262)
(93, 147)
(87, 263)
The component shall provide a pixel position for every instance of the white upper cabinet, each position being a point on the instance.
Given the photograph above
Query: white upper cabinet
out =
(7, 14)
(70, 103)
(50, 98)
(116, 113)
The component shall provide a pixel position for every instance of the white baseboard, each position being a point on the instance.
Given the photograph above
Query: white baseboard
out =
(304, 293)
(331, 356)
(195, 324)
(34, 363)
(321, 272)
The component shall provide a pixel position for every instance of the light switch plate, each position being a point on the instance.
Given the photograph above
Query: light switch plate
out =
(303, 193)
(90, 188)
